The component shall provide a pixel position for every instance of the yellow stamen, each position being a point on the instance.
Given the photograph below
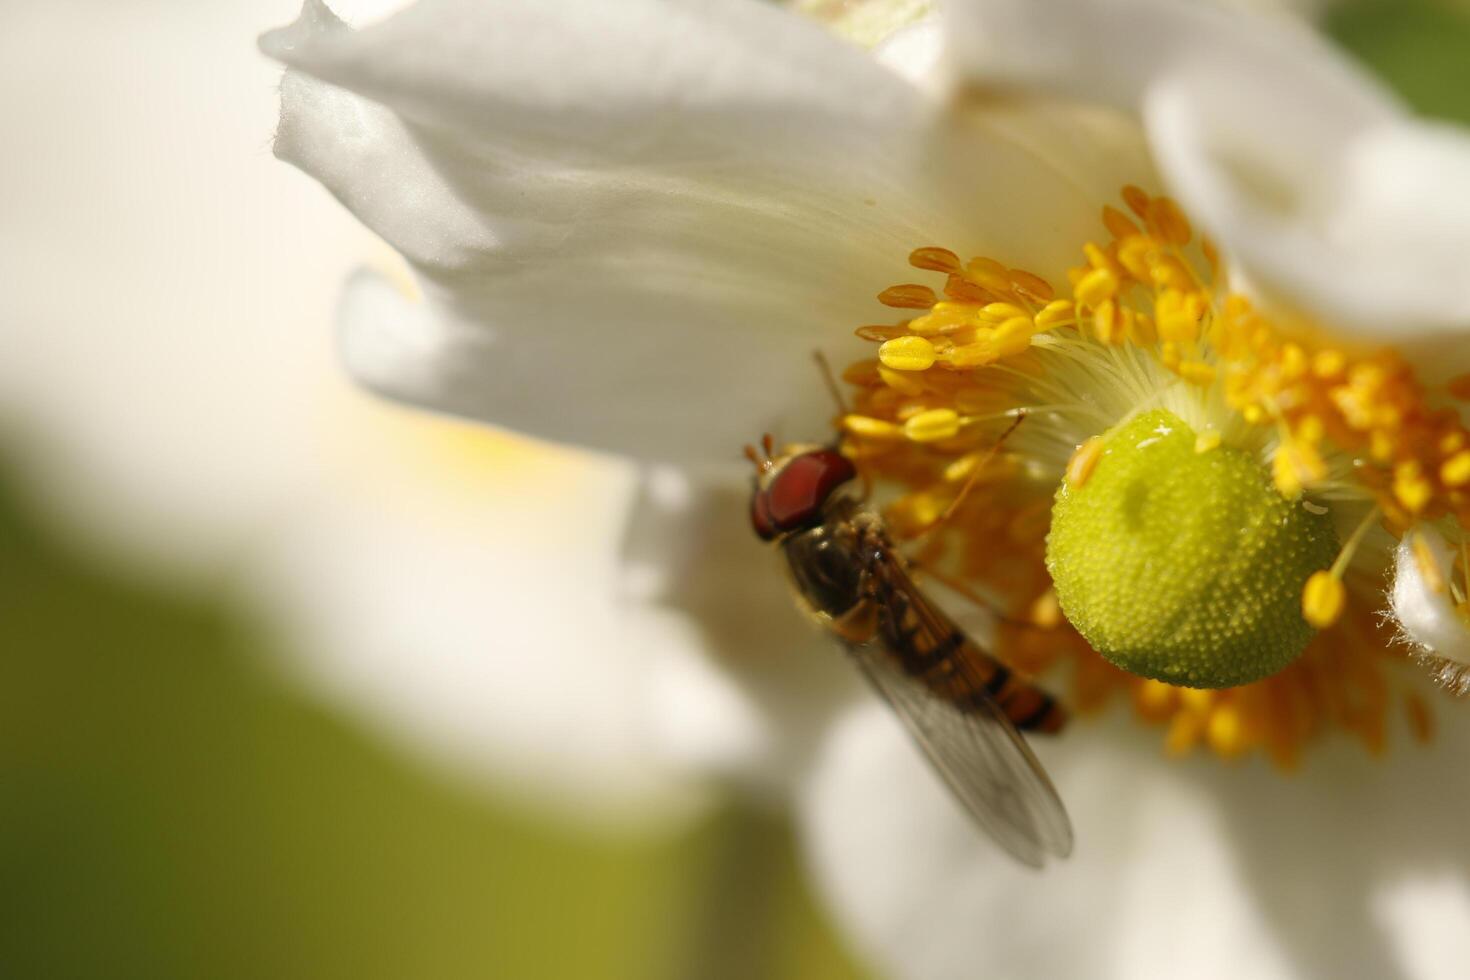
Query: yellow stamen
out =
(901, 381)
(1097, 286)
(907, 354)
(1456, 470)
(934, 425)
(1084, 461)
(1146, 325)
(935, 260)
(909, 296)
(1197, 373)
(861, 425)
(1323, 599)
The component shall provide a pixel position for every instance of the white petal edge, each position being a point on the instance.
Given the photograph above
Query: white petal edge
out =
(606, 248)
(1340, 211)
(1150, 892)
(751, 705)
(1183, 868)
(1426, 614)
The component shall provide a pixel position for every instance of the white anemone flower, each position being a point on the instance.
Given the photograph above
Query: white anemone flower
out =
(631, 223)
(176, 412)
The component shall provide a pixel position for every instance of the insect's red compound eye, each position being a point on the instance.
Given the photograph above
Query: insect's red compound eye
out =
(796, 495)
(760, 514)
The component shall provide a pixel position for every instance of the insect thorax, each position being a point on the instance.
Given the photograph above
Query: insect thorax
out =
(826, 563)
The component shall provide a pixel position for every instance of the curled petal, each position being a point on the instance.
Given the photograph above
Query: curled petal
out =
(1335, 205)
(618, 209)
(1425, 609)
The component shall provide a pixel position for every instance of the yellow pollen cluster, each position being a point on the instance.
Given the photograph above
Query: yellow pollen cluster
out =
(977, 353)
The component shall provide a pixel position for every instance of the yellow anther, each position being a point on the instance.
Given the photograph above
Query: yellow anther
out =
(934, 425)
(1046, 611)
(973, 355)
(1001, 312)
(1207, 440)
(1295, 466)
(1137, 200)
(961, 468)
(1381, 446)
(1022, 326)
(862, 373)
(909, 296)
(1197, 373)
(1197, 699)
(1212, 254)
(1141, 330)
(1118, 224)
(1097, 258)
(899, 381)
(1329, 364)
(1055, 314)
(1428, 565)
(1096, 287)
(1226, 731)
(1309, 429)
(1176, 317)
(958, 288)
(927, 325)
(1410, 488)
(907, 354)
(1032, 285)
(1456, 470)
(1166, 271)
(1323, 599)
(879, 332)
(1155, 700)
(1135, 254)
(1168, 222)
(1294, 361)
(990, 274)
(935, 259)
(915, 511)
(1084, 461)
(1106, 323)
(871, 428)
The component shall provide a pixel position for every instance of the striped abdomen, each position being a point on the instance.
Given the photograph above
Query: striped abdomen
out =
(955, 668)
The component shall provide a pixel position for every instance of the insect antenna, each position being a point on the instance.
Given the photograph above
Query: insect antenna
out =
(970, 481)
(762, 458)
(824, 367)
(830, 380)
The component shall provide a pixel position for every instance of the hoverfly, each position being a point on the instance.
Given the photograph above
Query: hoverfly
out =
(962, 706)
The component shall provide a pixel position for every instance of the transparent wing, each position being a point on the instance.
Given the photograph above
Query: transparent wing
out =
(972, 745)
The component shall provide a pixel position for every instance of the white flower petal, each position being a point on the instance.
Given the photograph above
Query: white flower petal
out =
(481, 625)
(721, 181)
(1332, 203)
(1424, 610)
(1180, 870)
(1115, 50)
(753, 706)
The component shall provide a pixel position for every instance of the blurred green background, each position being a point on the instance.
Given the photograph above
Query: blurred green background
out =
(172, 807)
(169, 807)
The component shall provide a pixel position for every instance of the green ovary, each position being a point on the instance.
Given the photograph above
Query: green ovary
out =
(1185, 566)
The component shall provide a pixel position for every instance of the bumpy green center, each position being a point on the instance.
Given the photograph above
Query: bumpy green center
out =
(1184, 566)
